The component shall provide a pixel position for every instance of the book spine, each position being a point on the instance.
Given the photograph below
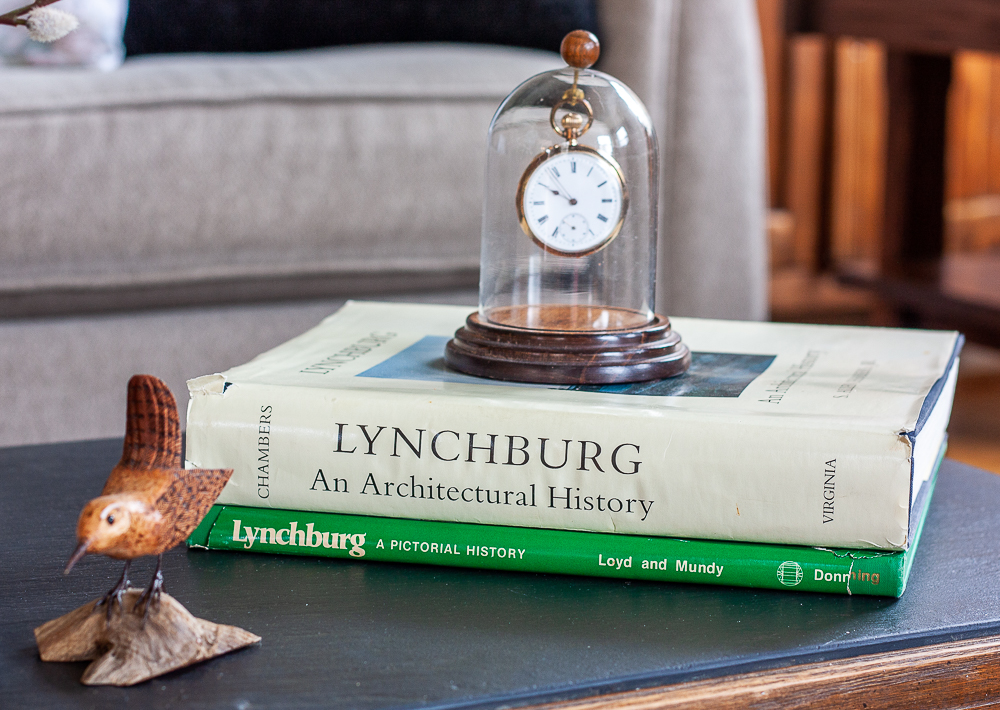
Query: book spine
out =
(552, 551)
(545, 461)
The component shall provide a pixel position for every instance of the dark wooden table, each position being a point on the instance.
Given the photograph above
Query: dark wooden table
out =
(356, 635)
(914, 276)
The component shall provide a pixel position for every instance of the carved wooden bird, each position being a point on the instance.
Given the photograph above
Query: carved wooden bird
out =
(149, 503)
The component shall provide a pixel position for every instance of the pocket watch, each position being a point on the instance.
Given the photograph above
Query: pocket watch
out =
(571, 199)
(566, 292)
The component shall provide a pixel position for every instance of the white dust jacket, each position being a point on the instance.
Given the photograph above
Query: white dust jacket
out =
(779, 433)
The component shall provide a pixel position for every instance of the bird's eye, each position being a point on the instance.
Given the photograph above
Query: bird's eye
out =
(111, 520)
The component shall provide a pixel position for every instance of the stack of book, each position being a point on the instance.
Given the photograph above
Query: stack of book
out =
(798, 457)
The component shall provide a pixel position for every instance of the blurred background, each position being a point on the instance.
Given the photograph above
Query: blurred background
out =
(884, 180)
(216, 193)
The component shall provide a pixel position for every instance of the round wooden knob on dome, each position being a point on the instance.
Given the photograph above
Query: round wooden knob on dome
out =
(580, 49)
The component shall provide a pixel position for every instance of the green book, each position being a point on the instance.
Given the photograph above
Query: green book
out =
(369, 538)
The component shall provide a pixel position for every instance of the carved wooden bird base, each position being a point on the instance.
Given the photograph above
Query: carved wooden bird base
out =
(132, 648)
(149, 505)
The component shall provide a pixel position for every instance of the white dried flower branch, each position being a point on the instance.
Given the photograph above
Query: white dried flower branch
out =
(44, 24)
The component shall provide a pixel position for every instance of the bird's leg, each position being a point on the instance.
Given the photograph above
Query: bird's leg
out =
(115, 593)
(151, 594)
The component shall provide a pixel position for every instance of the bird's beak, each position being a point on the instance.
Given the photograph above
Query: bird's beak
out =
(80, 551)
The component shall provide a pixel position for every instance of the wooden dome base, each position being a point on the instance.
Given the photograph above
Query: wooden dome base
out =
(648, 352)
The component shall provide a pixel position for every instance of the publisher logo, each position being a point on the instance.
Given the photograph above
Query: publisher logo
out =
(789, 573)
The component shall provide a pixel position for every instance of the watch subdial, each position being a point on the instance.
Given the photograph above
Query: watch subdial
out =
(574, 230)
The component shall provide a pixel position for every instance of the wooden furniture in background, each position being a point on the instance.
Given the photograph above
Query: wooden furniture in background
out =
(972, 180)
(926, 132)
(827, 132)
(847, 78)
(828, 125)
(805, 195)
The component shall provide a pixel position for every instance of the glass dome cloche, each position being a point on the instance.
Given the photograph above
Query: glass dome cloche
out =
(568, 264)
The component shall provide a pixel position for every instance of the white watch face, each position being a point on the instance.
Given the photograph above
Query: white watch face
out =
(573, 202)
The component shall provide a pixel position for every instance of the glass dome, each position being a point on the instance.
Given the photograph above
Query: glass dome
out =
(569, 213)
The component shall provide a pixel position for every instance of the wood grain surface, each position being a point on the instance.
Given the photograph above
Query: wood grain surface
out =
(805, 165)
(580, 49)
(149, 504)
(561, 354)
(960, 674)
(128, 648)
(569, 318)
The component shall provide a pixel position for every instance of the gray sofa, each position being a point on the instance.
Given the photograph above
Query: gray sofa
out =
(186, 212)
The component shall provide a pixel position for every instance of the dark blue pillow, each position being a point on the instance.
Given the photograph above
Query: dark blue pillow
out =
(156, 26)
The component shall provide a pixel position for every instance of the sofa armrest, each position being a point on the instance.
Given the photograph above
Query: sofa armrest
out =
(697, 65)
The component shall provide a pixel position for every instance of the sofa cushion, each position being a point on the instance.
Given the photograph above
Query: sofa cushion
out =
(275, 25)
(213, 178)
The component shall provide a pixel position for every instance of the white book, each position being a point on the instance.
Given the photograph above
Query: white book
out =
(799, 434)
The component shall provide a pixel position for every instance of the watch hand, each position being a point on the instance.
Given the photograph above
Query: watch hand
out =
(556, 192)
(565, 192)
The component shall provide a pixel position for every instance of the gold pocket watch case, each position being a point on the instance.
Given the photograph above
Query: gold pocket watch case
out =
(569, 236)
(572, 200)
